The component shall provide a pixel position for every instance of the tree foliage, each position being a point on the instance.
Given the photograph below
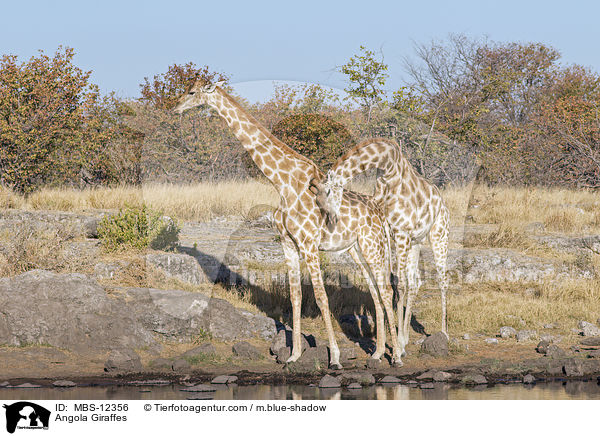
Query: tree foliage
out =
(366, 76)
(164, 89)
(54, 125)
(315, 136)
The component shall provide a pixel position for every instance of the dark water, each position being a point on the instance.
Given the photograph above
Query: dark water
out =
(570, 390)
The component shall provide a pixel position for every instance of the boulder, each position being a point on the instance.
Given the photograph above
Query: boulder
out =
(435, 345)
(363, 378)
(329, 381)
(441, 376)
(180, 365)
(390, 379)
(224, 379)
(529, 379)
(588, 329)
(507, 332)
(555, 352)
(207, 349)
(591, 341)
(246, 351)
(39, 304)
(123, 361)
(526, 335)
(542, 347)
(474, 379)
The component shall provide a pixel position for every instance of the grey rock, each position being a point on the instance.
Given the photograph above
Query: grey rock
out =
(593, 354)
(180, 365)
(180, 266)
(91, 320)
(435, 345)
(492, 341)
(122, 361)
(573, 368)
(474, 379)
(161, 362)
(283, 354)
(206, 349)
(591, 341)
(283, 339)
(467, 337)
(64, 384)
(354, 386)
(390, 379)
(246, 351)
(526, 335)
(4, 384)
(224, 379)
(329, 381)
(374, 363)
(551, 338)
(427, 375)
(555, 352)
(542, 347)
(349, 353)
(441, 376)
(363, 378)
(551, 326)
(427, 386)
(507, 332)
(529, 379)
(316, 356)
(588, 329)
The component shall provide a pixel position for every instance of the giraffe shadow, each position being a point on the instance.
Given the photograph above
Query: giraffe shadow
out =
(351, 306)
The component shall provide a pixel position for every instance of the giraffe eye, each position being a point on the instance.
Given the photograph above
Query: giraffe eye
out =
(192, 92)
(328, 191)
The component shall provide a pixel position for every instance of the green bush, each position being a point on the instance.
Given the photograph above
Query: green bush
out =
(138, 228)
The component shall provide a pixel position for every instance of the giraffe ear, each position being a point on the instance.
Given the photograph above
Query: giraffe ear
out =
(220, 83)
(211, 87)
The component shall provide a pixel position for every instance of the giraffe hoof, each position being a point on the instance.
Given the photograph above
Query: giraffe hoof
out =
(335, 366)
(403, 354)
(398, 364)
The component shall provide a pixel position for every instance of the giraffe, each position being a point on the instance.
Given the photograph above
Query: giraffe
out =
(413, 207)
(361, 230)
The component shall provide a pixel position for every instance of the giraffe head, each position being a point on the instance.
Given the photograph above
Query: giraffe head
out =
(333, 195)
(329, 198)
(201, 93)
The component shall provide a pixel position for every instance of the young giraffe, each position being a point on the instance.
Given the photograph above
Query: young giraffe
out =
(361, 228)
(413, 207)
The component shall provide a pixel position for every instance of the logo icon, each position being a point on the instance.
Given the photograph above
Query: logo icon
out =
(26, 415)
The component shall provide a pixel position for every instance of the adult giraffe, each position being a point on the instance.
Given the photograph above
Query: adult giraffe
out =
(361, 228)
(414, 209)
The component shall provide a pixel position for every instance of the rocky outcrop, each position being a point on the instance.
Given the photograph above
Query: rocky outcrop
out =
(74, 312)
(73, 223)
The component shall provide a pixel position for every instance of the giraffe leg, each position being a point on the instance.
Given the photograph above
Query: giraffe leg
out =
(414, 282)
(439, 244)
(292, 259)
(311, 255)
(387, 297)
(402, 247)
(380, 346)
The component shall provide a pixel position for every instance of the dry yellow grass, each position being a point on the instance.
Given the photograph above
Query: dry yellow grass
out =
(500, 304)
(568, 211)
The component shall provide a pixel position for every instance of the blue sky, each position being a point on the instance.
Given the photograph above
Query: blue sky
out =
(122, 42)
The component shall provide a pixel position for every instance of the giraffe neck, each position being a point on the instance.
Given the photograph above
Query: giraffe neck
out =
(274, 158)
(378, 153)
